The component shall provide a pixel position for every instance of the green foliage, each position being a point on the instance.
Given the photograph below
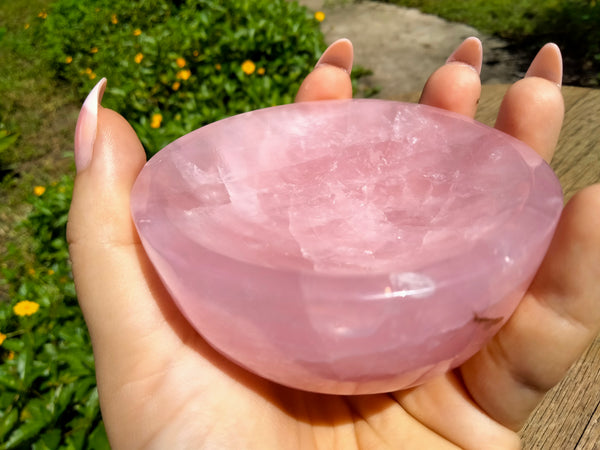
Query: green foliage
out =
(506, 18)
(7, 142)
(48, 395)
(7, 139)
(575, 25)
(174, 66)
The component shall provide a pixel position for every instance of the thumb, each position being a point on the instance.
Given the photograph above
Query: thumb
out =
(119, 294)
(108, 157)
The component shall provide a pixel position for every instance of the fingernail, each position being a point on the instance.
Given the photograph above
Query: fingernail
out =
(87, 124)
(470, 52)
(547, 64)
(339, 54)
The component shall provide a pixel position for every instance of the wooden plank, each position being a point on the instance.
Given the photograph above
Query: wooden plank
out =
(591, 437)
(577, 159)
(564, 419)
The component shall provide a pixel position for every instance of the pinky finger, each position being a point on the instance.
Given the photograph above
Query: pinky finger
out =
(533, 108)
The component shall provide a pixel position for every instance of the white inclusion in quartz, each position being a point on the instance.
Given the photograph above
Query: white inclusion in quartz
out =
(411, 284)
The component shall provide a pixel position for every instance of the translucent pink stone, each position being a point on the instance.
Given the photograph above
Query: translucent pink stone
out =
(347, 247)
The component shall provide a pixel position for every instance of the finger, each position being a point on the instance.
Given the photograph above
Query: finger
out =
(117, 297)
(456, 85)
(330, 79)
(380, 422)
(533, 108)
(444, 406)
(557, 319)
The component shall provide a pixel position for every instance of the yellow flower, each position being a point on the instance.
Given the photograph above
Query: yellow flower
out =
(31, 271)
(180, 62)
(156, 121)
(26, 308)
(138, 58)
(69, 59)
(261, 71)
(26, 26)
(92, 76)
(50, 272)
(184, 74)
(42, 14)
(113, 19)
(87, 70)
(2, 338)
(94, 50)
(39, 190)
(196, 53)
(137, 32)
(320, 16)
(248, 67)
(10, 356)
(176, 85)
(218, 66)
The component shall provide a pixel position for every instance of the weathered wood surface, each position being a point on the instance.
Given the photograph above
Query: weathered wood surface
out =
(569, 416)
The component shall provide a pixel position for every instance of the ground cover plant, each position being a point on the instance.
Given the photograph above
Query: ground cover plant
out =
(527, 24)
(48, 396)
(172, 66)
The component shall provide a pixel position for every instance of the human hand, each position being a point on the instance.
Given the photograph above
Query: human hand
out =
(162, 386)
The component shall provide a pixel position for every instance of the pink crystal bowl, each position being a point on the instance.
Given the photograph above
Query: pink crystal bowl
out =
(347, 247)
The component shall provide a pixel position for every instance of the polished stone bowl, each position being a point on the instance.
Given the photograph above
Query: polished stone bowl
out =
(350, 246)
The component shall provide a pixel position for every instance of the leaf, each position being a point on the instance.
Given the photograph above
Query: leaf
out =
(83, 387)
(23, 434)
(7, 140)
(50, 440)
(92, 405)
(35, 418)
(97, 440)
(8, 419)
(7, 398)
(38, 369)
(9, 380)
(60, 400)
(76, 439)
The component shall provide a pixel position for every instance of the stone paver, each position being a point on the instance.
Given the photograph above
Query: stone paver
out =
(403, 46)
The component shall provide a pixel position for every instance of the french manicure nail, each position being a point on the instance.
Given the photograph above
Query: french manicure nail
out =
(470, 52)
(87, 125)
(339, 54)
(547, 64)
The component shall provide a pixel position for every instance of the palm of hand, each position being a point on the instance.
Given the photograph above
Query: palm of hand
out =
(162, 386)
(230, 408)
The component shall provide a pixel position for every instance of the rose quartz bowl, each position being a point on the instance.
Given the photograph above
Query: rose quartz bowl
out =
(347, 247)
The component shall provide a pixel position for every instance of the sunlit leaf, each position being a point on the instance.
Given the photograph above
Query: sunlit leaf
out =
(97, 439)
(8, 419)
(24, 434)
